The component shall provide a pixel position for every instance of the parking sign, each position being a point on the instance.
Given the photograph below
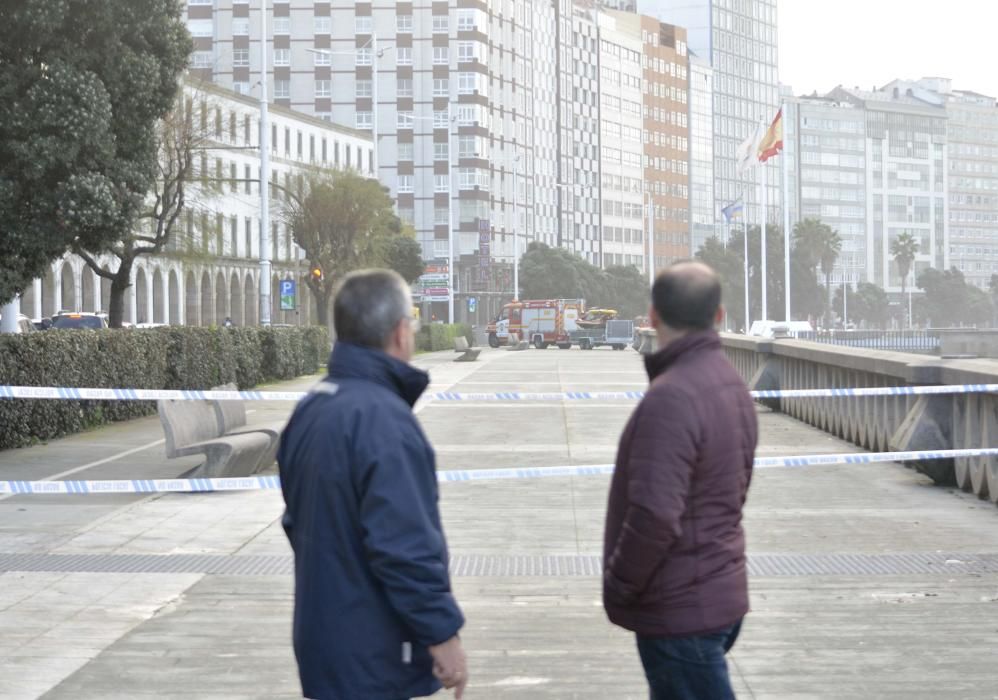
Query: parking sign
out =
(289, 294)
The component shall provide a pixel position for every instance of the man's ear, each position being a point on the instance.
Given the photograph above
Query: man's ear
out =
(719, 316)
(653, 318)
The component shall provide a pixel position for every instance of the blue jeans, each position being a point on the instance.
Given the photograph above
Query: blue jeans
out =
(689, 668)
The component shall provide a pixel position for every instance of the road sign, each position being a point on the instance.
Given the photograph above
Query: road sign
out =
(472, 305)
(289, 295)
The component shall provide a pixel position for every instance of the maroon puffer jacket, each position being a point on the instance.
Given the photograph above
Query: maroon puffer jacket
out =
(674, 550)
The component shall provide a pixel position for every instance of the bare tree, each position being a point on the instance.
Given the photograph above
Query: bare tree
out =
(182, 137)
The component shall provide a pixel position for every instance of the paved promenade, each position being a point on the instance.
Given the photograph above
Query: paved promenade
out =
(867, 582)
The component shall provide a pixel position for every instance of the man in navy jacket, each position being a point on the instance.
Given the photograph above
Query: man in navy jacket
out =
(374, 615)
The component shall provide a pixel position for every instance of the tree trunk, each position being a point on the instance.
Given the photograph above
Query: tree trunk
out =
(828, 307)
(119, 285)
(904, 309)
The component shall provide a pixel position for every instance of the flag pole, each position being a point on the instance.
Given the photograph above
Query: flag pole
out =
(786, 216)
(748, 321)
(762, 209)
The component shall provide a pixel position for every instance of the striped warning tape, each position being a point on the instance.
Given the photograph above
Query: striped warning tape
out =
(70, 393)
(258, 483)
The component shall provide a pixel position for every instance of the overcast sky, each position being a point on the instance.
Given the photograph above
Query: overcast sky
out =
(824, 43)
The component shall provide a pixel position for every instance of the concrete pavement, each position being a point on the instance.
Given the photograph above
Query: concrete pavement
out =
(171, 596)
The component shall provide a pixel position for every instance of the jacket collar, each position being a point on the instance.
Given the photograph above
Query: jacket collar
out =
(351, 361)
(689, 344)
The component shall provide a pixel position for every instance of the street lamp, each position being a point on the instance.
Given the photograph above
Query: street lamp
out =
(647, 201)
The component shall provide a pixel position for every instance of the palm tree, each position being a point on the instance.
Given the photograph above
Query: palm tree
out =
(903, 249)
(820, 247)
(830, 245)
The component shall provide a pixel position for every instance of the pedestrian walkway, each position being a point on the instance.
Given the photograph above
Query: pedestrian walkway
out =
(867, 582)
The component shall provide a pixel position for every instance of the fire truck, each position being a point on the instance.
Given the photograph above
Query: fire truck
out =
(541, 322)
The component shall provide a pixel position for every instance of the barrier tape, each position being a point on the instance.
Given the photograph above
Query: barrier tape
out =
(263, 483)
(69, 393)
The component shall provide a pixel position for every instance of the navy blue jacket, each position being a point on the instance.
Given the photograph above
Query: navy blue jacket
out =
(372, 590)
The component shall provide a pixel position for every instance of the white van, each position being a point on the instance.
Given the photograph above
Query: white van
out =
(767, 329)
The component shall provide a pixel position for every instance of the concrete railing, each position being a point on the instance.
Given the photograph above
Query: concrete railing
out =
(883, 423)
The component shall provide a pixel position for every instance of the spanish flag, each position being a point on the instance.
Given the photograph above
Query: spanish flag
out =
(772, 141)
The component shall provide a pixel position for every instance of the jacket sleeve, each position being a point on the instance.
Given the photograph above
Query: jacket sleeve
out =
(402, 534)
(663, 453)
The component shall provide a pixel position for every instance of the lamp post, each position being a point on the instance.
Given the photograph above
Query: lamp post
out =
(264, 174)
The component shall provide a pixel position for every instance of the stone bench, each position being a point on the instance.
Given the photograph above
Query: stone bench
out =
(231, 418)
(468, 353)
(191, 427)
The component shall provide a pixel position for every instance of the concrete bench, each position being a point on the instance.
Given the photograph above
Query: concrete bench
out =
(231, 418)
(191, 427)
(516, 344)
(468, 353)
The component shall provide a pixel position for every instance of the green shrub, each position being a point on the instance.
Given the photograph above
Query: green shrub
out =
(156, 358)
(440, 336)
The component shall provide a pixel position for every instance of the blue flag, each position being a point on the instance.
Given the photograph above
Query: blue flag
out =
(734, 209)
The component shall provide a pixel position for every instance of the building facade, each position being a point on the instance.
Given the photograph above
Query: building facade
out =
(210, 268)
(738, 39)
(626, 221)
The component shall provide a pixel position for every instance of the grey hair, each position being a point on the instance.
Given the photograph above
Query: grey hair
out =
(369, 305)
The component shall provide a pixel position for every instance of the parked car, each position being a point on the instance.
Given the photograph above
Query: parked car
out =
(42, 324)
(767, 329)
(24, 324)
(77, 321)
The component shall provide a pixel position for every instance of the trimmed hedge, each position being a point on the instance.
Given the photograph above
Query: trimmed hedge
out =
(440, 336)
(156, 358)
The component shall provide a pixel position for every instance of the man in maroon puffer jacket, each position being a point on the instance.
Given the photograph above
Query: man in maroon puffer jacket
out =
(674, 550)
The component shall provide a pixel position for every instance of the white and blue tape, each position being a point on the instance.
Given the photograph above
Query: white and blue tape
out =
(69, 393)
(263, 483)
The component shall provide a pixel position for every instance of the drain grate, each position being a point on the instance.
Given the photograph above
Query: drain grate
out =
(487, 565)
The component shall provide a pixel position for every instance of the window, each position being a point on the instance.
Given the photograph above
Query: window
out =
(441, 216)
(441, 24)
(404, 119)
(233, 176)
(282, 57)
(363, 24)
(201, 27)
(241, 87)
(441, 87)
(282, 25)
(247, 176)
(323, 25)
(407, 215)
(440, 151)
(240, 57)
(322, 58)
(363, 57)
(403, 24)
(323, 88)
(405, 151)
(364, 88)
(441, 183)
(466, 178)
(441, 118)
(202, 59)
(282, 89)
(404, 87)
(365, 120)
(405, 184)
(466, 115)
(403, 55)
(467, 146)
(466, 20)
(466, 83)
(466, 52)
(441, 55)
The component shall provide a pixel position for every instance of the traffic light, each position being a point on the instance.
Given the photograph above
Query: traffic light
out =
(316, 273)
